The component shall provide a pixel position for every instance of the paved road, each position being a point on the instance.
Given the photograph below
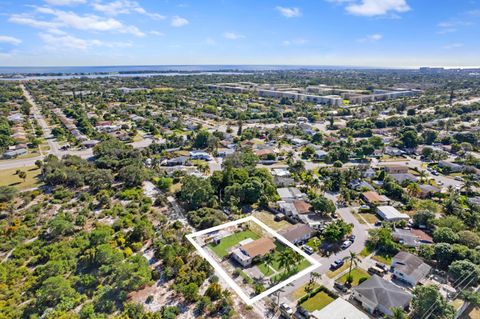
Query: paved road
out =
(47, 133)
(361, 233)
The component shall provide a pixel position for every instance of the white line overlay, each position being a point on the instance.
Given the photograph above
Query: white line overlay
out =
(249, 301)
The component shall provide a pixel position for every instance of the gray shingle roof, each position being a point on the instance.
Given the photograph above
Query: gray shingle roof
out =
(383, 292)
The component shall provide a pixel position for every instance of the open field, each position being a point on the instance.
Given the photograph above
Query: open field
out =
(9, 178)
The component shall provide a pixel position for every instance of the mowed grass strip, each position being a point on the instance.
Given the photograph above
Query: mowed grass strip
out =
(8, 177)
(223, 248)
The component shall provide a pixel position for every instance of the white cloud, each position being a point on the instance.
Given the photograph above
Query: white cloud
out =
(372, 8)
(297, 41)
(71, 42)
(32, 22)
(9, 40)
(452, 26)
(157, 33)
(453, 46)
(89, 22)
(178, 22)
(65, 2)
(371, 38)
(124, 7)
(289, 12)
(232, 36)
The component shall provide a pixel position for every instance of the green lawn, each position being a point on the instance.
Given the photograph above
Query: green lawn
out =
(284, 275)
(357, 274)
(275, 265)
(300, 292)
(222, 249)
(334, 273)
(317, 302)
(385, 259)
(9, 178)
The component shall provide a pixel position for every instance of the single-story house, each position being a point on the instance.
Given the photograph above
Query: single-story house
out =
(199, 155)
(412, 237)
(369, 173)
(290, 193)
(320, 154)
(393, 151)
(452, 167)
(251, 249)
(176, 161)
(15, 153)
(391, 214)
(428, 190)
(361, 184)
(297, 233)
(409, 268)
(339, 309)
(401, 177)
(374, 198)
(283, 181)
(378, 295)
(396, 169)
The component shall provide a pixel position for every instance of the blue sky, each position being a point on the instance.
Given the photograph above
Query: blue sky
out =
(397, 33)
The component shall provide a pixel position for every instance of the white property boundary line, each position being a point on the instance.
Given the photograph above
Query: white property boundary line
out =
(249, 301)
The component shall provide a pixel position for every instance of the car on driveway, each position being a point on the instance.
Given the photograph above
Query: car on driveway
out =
(340, 287)
(286, 310)
(352, 238)
(309, 250)
(337, 264)
(346, 244)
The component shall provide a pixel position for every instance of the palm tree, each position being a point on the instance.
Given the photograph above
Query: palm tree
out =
(398, 313)
(285, 260)
(353, 259)
(268, 260)
(423, 175)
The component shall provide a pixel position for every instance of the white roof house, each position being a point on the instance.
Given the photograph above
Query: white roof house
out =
(339, 309)
(391, 214)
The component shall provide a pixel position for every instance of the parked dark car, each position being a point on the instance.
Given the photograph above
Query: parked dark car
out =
(337, 264)
(340, 287)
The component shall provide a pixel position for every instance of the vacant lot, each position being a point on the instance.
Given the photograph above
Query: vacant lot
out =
(317, 302)
(357, 274)
(223, 248)
(9, 177)
(268, 219)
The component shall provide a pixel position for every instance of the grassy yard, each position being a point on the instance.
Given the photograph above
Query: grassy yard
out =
(370, 218)
(300, 292)
(222, 249)
(268, 219)
(9, 178)
(284, 275)
(385, 259)
(334, 273)
(317, 302)
(357, 274)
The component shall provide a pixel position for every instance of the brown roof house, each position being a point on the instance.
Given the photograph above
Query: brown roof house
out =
(250, 249)
(374, 198)
(396, 169)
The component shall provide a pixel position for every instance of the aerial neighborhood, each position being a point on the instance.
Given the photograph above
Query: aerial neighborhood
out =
(360, 189)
